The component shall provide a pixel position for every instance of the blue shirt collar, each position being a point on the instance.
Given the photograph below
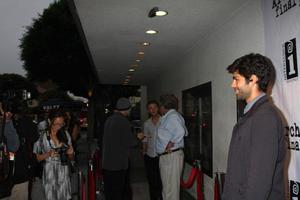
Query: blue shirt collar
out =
(251, 103)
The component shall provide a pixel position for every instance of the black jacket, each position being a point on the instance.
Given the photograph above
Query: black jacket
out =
(117, 141)
(28, 134)
(12, 142)
(256, 155)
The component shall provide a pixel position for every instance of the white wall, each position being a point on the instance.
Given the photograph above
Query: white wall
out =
(240, 34)
(144, 112)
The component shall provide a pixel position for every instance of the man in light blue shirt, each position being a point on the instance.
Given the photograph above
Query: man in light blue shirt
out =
(169, 146)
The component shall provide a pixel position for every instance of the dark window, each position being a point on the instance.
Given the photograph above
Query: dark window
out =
(197, 111)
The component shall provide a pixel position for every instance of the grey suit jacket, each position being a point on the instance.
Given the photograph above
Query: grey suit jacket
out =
(10, 133)
(256, 155)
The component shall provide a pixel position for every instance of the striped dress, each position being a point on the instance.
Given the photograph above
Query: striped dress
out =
(56, 177)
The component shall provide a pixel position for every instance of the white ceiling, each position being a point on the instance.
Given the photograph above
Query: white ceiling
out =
(114, 30)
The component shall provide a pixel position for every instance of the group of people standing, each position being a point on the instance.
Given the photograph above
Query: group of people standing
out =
(50, 148)
(163, 145)
(256, 157)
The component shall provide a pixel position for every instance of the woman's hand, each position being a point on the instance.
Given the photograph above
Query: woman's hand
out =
(70, 150)
(52, 153)
(46, 155)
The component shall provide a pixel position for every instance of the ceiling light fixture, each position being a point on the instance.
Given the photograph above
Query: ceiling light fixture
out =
(145, 43)
(151, 32)
(161, 13)
(131, 70)
(156, 12)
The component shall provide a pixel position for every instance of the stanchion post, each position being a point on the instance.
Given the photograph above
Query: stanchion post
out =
(197, 164)
(91, 181)
(79, 185)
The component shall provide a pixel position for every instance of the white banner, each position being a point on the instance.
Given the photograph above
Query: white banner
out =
(282, 38)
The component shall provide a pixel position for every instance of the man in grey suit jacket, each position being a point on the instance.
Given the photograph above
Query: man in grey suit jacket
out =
(257, 149)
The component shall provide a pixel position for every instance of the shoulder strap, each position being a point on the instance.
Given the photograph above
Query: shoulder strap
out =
(2, 129)
(41, 143)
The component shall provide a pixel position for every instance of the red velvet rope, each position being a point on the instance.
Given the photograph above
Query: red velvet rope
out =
(83, 192)
(191, 179)
(194, 173)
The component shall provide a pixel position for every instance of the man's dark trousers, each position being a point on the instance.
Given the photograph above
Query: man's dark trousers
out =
(153, 175)
(116, 185)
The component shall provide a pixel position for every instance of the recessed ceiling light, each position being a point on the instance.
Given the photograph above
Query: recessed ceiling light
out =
(131, 70)
(161, 13)
(145, 43)
(151, 31)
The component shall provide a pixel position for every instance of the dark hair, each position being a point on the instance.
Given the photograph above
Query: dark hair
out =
(152, 102)
(62, 136)
(169, 101)
(61, 133)
(55, 113)
(255, 64)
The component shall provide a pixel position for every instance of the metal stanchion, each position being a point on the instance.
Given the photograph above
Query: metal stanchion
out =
(91, 181)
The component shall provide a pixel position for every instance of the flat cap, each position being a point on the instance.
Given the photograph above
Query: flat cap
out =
(123, 104)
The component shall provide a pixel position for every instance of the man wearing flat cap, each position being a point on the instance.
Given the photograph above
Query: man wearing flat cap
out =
(117, 141)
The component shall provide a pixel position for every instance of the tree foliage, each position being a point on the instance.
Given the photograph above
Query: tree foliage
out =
(15, 82)
(51, 48)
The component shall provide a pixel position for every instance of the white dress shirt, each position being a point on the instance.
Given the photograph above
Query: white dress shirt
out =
(150, 132)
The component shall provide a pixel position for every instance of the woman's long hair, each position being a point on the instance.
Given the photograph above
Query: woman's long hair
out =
(61, 133)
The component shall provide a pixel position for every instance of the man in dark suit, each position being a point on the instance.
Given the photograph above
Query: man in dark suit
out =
(9, 140)
(117, 141)
(257, 149)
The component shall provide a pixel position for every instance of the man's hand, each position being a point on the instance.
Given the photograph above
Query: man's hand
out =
(1, 109)
(8, 116)
(140, 136)
(169, 146)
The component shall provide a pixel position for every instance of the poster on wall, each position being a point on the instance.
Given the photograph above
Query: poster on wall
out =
(282, 38)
